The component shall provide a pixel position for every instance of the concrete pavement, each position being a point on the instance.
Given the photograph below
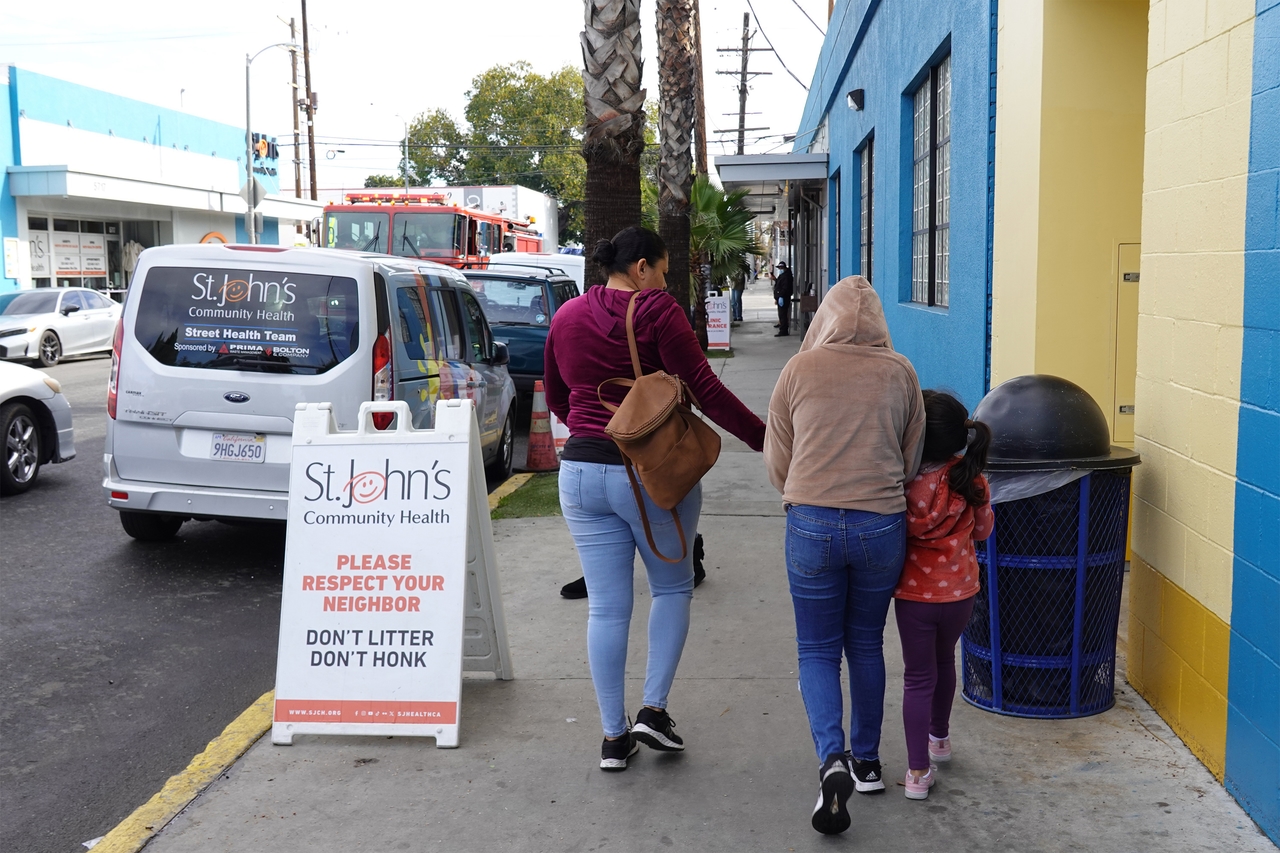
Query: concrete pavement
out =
(525, 776)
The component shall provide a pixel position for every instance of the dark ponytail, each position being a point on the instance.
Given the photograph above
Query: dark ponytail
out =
(946, 433)
(627, 247)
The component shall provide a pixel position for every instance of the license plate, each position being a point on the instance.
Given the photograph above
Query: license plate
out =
(238, 447)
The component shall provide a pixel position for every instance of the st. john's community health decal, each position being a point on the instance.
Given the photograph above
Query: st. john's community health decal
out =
(384, 528)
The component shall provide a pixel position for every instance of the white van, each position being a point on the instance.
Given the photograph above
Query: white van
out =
(573, 266)
(218, 344)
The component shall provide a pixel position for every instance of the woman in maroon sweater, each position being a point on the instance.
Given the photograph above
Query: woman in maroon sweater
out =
(587, 344)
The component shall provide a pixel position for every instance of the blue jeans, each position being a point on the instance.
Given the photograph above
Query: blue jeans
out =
(601, 511)
(735, 304)
(843, 565)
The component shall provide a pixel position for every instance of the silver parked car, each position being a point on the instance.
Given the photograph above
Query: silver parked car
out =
(36, 423)
(49, 323)
(220, 343)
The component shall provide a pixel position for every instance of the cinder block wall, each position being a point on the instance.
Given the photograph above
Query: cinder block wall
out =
(1253, 702)
(1195, 178)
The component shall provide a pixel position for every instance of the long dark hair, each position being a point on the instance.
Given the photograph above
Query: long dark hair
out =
(946, 433)
(628, 246)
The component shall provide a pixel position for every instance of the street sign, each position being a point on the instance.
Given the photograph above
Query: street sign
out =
(718, 321)
(390, 582)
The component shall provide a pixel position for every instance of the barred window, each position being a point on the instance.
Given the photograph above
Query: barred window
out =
(868, 206)
(931, 189)
(835, 215)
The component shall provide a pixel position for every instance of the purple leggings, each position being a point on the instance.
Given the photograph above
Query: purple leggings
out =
(929, 633)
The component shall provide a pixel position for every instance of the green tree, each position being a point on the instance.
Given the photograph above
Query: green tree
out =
(520, 127)
(383, 181)
(721, 230)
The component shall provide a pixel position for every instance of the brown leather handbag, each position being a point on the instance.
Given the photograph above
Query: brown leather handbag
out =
(660, 437)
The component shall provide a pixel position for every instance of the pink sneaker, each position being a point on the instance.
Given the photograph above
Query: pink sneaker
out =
(919, 789)
(939, 749)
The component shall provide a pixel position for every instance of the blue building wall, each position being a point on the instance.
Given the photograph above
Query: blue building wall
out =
(886, 48)
(1253, 683)
(8, 157)
(49, 99)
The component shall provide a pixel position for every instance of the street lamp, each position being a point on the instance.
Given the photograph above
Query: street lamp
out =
(250, 226)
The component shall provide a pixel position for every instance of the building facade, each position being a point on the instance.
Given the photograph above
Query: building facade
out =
(91, 178)
(1091, 189)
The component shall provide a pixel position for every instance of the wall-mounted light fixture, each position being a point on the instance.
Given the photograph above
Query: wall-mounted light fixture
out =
(854, 99)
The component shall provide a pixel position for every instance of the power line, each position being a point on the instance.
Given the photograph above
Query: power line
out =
(806, 14)
(774, 49)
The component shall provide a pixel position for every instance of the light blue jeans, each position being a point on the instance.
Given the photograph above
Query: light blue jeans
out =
(601, 511)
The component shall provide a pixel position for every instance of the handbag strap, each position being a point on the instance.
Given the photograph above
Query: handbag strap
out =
(631, 334)
(644, 519)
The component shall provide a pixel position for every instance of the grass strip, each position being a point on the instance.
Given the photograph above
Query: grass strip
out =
(539, 496)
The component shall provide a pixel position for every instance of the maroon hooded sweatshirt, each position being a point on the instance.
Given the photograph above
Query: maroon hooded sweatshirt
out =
(587, 344)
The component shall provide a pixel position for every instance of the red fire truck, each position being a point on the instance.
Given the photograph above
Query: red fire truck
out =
(424, 226)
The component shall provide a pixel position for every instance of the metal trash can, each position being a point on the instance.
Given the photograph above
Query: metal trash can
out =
(1042, 638)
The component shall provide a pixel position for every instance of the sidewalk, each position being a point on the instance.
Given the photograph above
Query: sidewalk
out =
(525, 776)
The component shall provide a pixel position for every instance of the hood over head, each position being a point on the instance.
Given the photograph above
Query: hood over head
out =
(850, 314)
(609, 308)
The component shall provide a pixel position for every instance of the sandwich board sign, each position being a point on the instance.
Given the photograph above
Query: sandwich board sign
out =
(390, 583)
(718, 321)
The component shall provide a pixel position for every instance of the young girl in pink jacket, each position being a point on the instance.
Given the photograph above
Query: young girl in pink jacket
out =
(948, 509)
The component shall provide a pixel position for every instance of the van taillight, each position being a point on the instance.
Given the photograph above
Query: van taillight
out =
(383, 383)
(114, 381)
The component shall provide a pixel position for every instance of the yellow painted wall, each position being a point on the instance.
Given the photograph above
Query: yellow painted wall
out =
(1016, 233)
(1090, 183)
(1190, 307)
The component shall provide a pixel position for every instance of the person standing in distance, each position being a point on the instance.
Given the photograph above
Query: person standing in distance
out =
(586, 346)
(783, 286)
(846, 431)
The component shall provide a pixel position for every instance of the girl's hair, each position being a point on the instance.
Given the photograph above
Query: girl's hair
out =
(628, 246)
(946, 433)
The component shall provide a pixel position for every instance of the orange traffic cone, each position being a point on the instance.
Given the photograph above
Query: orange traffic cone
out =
(542, 447)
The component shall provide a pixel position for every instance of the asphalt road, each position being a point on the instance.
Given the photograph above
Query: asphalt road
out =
(119, 660)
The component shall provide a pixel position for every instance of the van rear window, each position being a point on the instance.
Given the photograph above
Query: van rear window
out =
(272, 322)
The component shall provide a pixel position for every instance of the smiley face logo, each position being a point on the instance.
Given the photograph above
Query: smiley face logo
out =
(367, 486)
(236, 290)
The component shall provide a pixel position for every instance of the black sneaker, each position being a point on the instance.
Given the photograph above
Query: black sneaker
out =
(655, 730)
(831, 814)
(574, 589)
(867, 775)
(614, 753)
(699, 573)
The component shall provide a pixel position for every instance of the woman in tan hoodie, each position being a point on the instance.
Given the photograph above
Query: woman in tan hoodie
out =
(845, 432)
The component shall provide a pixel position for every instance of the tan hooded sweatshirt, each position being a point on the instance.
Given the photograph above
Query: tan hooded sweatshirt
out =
(846, 420)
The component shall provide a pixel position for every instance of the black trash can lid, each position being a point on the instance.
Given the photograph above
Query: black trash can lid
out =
(1042, 422)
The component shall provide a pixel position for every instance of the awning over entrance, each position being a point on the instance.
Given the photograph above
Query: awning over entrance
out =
(767, 176)
(64, 182)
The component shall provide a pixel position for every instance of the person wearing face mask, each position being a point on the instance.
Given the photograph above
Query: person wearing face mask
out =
(586, 346)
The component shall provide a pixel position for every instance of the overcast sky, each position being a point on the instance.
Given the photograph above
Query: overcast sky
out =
(376, 64)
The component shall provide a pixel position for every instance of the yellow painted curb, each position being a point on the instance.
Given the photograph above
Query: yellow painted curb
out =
(138, 828)
(148, 819)
(512, 483)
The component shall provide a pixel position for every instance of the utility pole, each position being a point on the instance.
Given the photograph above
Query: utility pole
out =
(743, 76)
(297, 142)
(699, 102)
(311, 105)
(742, 84)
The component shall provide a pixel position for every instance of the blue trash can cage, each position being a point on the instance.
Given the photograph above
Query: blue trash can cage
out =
(1042, 638)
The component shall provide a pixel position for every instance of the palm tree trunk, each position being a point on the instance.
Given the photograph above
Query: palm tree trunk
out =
(676, 72)
(613, 138)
